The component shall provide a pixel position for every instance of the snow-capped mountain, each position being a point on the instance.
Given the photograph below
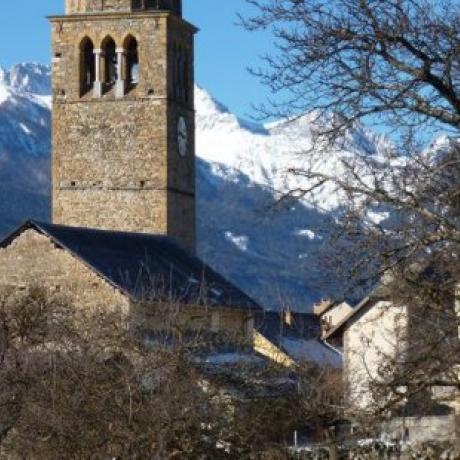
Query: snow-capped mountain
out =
(24, 144)
(275, 254)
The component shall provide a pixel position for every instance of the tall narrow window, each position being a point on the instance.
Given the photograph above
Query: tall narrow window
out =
(87, 67)
(109, 51)
(181, 74)
(186, 78)
(132, 61)
(175, 72)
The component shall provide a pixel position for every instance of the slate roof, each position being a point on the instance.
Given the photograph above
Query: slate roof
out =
(144, 266)
(303, 326)
(300, 340)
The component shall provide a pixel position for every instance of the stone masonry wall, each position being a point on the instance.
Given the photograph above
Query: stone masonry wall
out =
(88, 6)
(84, 6)
(190, 318)
(115, 161)
(33, 260)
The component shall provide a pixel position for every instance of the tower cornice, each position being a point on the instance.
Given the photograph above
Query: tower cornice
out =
(97, 16)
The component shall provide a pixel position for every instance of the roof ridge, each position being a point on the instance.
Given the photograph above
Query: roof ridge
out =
(138, 263)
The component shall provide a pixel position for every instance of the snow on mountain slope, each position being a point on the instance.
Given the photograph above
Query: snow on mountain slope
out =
(276, 256)
(265, 152)
(4, 92)
(279, 255)
(24, 144)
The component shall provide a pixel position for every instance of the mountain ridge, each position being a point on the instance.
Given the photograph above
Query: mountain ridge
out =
(276, 256)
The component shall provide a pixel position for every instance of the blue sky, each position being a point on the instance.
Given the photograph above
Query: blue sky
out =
(223, 50)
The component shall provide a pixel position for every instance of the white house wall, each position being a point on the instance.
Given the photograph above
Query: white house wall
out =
(372, 340)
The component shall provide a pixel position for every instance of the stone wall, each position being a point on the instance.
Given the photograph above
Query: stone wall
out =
(33, 260)
(422, 429)
(115, 160)
(378, 450)
(89, 6)
(186, 318)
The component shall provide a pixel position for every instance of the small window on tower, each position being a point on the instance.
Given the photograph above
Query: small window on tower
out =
(87, 66)
(151, 4)
(186, 78)
(137, 5)
(181, 74)
(174, 72)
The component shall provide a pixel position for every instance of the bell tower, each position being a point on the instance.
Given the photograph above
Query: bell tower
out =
(123, 117)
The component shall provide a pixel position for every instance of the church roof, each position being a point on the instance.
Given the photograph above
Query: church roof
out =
(144, 266)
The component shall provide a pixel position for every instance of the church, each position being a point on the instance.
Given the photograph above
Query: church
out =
(123, 171)
(123, 185)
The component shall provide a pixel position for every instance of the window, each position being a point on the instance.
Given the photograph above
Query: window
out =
(186, 79)
(152, 4)
(109, 52)
(87, 65)
(181, 74)
(137, 5)
(175, 72)
(132, 61)
(171, 5)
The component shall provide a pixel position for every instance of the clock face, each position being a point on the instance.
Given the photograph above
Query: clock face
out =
(182, 137)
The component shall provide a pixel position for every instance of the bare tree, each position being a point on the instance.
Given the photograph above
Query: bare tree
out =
(93, 384)
(391, 62)
(77, 384)
(394, 58)
(394, 64)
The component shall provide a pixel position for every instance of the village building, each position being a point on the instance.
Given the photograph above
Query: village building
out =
(123, 232)
(375, 337)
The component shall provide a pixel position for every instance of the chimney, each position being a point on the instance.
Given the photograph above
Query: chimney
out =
(322, 306)
(287, 317)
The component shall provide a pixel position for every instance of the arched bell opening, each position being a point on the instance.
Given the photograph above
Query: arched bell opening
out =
(87, 66)
(131, 50)
(109, 62)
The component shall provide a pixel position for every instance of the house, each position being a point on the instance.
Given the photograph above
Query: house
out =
(380, 340)
(291, 338)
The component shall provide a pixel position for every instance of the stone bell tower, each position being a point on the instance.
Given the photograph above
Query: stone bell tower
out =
(123, 117)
